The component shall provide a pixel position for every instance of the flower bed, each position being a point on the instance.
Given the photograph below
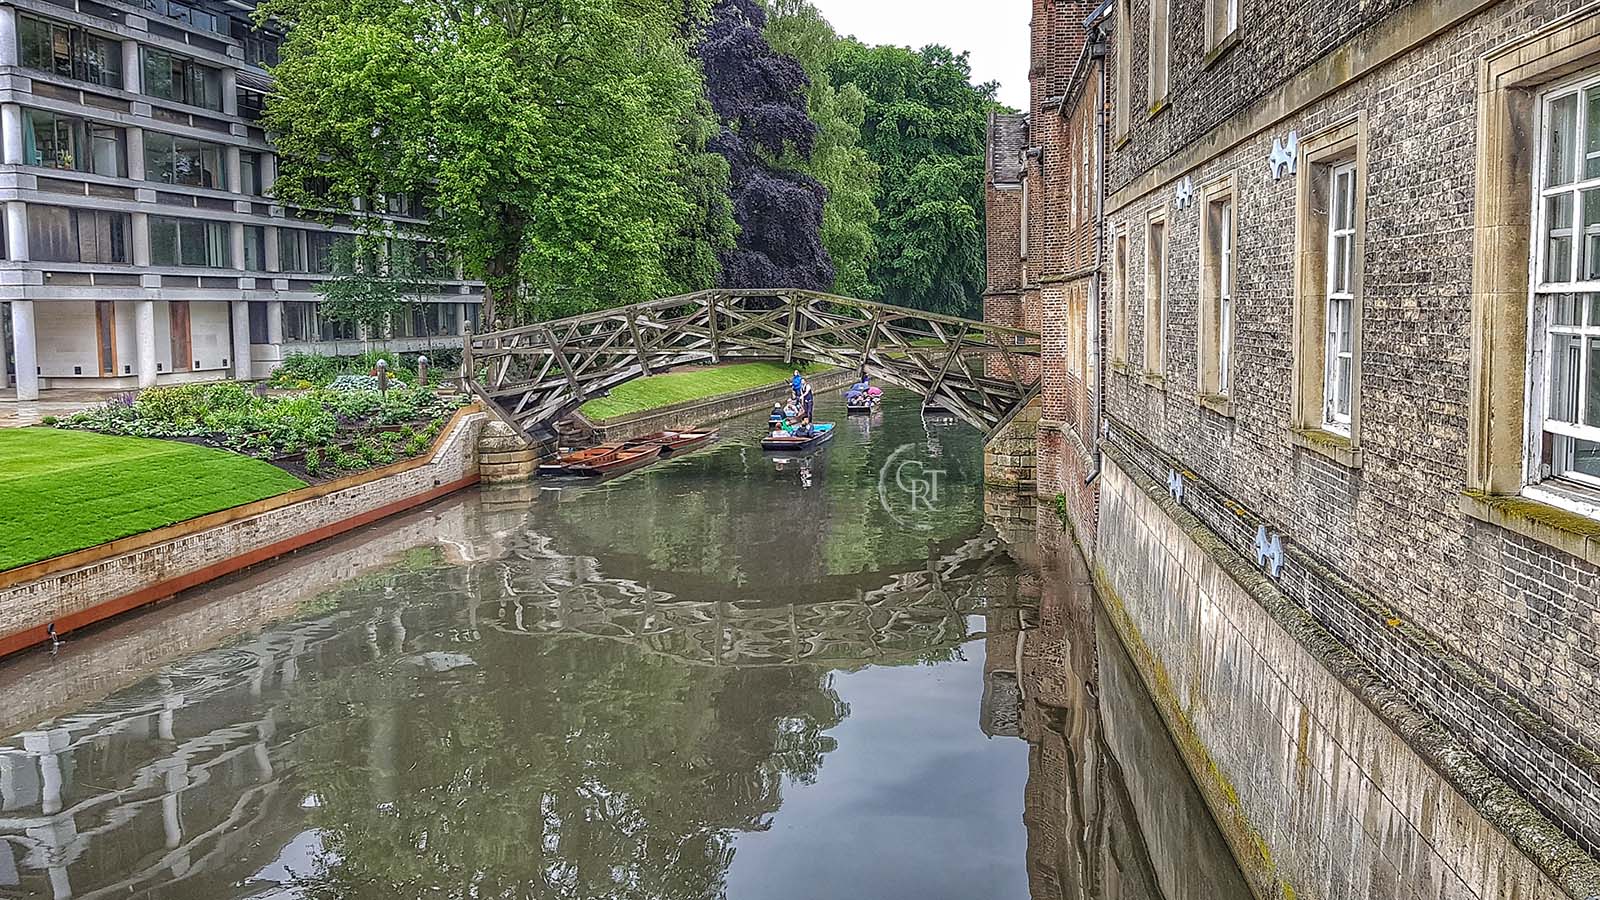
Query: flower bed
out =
(316, 434)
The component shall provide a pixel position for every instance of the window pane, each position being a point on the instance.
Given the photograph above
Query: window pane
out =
(1564, 309)
(1591, 141)
(1565, 365)
(1341, 397)
(1594, 309)
(1591, 399)
(255, 248)
(1591, 236)
(1341, 264)
(163, 241)
(1558, 238)
(106, 151)
(1347, 200)
(1562, 137)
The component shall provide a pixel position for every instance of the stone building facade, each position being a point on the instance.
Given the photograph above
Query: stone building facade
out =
(1351, 323)
(1043, 192)
(141, 243)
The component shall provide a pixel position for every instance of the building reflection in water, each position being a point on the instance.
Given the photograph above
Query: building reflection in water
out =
(1110, 810)
(485, 715)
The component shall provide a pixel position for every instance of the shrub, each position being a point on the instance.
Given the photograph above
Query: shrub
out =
(49, 421)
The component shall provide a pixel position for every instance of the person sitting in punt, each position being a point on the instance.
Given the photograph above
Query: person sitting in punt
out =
(791, 410)
(804, 429)
(778, 415)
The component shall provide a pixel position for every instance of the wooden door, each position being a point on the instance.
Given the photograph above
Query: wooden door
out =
(182, 344)
(105, 325)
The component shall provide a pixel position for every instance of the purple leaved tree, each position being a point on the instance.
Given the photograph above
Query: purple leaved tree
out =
(760, 98)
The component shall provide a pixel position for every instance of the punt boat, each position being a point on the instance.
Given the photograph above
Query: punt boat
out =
(792, 442)
(674, 442)
(624, 460)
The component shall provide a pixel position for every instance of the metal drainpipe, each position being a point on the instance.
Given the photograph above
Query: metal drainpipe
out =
(1099, 251)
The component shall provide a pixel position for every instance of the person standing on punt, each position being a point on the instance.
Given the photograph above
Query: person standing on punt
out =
(797, 383)
(808, 399)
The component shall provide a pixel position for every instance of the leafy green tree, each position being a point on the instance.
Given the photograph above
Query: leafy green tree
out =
(548, 137)
(924, 128)
(797, 29)
(376, 279)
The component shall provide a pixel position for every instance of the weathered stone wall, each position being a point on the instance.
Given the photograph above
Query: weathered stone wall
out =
(1009, 457)
(199, 550)
(1316, 790)
(1517, 620)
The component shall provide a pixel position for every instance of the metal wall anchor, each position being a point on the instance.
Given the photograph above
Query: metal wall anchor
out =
(1269, 551)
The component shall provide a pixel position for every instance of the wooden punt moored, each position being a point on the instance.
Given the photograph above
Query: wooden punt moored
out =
(625, 460)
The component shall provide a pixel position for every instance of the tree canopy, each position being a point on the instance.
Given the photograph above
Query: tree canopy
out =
(583, 154)
(925, 129)
(558, 143)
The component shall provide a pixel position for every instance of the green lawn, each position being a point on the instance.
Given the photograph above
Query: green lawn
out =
(65, 490)
(677, 387)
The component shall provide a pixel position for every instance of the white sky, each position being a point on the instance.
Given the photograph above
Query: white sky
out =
(995, 32)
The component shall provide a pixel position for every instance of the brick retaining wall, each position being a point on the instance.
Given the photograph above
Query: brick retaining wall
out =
(81, 588)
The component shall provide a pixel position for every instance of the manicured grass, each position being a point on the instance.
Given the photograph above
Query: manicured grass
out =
(677, 387)
(66, 490)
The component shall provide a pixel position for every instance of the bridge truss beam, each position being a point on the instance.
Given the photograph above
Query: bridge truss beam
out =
(533, 376)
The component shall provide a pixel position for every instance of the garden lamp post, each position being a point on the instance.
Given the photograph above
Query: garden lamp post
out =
(383, 376)
(422, 371)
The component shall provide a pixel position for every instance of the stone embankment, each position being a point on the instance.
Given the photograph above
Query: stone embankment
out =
(56, 596)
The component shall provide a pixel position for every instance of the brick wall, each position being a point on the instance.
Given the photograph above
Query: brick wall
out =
(1523, 615)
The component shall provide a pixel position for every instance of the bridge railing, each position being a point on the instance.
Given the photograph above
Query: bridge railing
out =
(534, 375)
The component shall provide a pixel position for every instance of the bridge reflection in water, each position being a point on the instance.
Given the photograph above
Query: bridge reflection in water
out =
(507, 696)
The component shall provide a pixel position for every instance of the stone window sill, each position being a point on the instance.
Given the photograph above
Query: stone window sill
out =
(1559, 528)
(1153, 379)
(1221, 404)
(1228, 42)
(1121, 366)
(1159, 107)
(1336, 447)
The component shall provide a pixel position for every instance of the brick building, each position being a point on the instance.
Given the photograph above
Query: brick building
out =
(1351, 309)
(1043, 193)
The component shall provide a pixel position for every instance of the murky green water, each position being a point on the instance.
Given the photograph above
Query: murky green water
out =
(726, 675)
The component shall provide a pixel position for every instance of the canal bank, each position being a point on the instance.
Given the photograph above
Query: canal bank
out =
(765, 687)
(1328, 778)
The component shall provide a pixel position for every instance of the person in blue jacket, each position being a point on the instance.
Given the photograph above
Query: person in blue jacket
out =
(796, 383)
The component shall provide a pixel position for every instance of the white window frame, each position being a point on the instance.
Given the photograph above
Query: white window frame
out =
(1155, 294)
(1225, 298)
(1339, 333)
(1550, 443)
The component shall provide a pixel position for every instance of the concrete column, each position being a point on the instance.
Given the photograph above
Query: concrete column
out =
(236, 244)
(132, 70)
(275, 321)
(269, 172)
(144, 332)
(141, 238)
(230, 92)
(241, 340)
(273, 261)
(26, 350)
(235, 171)
(136, 154)
(16, 230)
(10, 131)
(8, 36)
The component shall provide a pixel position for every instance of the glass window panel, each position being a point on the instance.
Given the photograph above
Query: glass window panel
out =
(1591, 139)
(1565, 367)
(1591, 398)
(1564, 309)
(1341, 397)
(1558, 238)
(1563, 115)
(1590, 269)
(163, 241)
(106, 152)
(1594, 308)
(1583, 460)
(52, 236)
(255, 248)
(158, 75)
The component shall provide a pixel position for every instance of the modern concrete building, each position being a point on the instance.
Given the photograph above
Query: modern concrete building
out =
(142, 245)
(1335, 395)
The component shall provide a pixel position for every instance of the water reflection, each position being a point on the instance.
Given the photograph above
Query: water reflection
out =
(707, 679)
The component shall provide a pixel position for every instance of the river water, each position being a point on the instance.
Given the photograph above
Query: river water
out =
(723, 676)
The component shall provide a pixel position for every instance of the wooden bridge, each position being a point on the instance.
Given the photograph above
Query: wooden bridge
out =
(536, 375)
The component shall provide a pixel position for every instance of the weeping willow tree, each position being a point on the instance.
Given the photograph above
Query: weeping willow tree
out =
(557, 146)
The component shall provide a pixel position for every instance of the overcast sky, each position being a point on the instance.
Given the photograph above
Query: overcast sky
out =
(995, 32)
